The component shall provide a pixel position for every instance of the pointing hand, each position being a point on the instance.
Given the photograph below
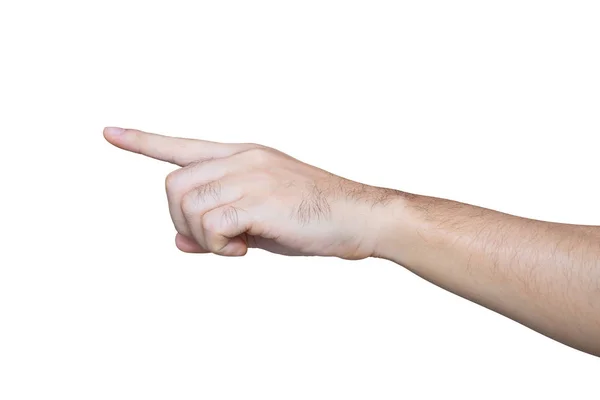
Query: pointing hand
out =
(226, 198)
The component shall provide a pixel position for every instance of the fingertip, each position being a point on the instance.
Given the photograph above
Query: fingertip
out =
(112, 134)
(113, 131)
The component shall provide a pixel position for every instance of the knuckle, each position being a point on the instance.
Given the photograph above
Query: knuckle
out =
(209, 191)
(171, 181)
(189, 202)
(208, 222)
(221, 220)
(229, 216)
(259, 155)
(196, 199)
(250, 146)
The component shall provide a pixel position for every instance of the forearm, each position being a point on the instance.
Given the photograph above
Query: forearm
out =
(544, 275)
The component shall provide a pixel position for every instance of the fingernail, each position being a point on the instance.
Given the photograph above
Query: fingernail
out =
(114, 131)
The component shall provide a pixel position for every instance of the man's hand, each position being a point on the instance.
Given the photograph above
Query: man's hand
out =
(228, 197)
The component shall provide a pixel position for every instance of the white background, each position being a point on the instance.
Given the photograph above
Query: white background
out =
(492, 103)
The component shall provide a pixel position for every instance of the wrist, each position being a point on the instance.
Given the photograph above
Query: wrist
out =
(380, 218)
(396, 228)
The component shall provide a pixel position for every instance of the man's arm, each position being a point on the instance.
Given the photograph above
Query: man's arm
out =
(226, 198)
(544, 275)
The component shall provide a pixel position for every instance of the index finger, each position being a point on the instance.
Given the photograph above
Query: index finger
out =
(175, 150)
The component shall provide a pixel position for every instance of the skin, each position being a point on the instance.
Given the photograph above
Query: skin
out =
(226, 198)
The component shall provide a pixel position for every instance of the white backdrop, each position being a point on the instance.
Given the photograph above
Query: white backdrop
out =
(491, 103)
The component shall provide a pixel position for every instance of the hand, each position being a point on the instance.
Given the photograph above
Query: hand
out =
(229, 197)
